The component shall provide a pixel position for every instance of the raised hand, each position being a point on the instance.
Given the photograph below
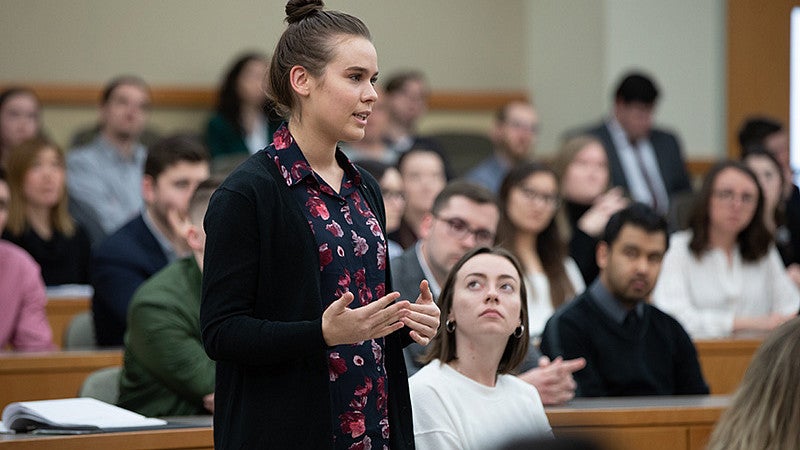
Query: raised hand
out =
(343, 325)
(553, 379)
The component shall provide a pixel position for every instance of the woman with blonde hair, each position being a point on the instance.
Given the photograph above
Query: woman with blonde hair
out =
(38, 220)
(764, 413)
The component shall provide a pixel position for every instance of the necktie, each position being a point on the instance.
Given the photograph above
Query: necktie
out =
(632, 321)
(646, 175)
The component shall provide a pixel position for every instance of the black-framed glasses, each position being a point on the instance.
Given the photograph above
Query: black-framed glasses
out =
(551, 200)
(459, 229)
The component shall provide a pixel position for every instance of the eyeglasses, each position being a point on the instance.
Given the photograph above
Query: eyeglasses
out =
(460, 229)
(551, 200)
(728, 196)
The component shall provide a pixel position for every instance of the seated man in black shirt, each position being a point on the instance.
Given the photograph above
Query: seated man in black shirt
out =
(630, 346)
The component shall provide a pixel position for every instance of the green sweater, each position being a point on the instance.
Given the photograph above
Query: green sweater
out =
(166, 371)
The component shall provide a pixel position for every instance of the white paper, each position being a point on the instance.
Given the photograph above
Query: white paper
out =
(79, 412)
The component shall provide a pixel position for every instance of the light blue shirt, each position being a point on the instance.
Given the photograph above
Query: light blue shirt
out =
(109, 184)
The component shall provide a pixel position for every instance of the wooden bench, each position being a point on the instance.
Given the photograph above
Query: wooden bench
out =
(60, 312)
(724, 361)
(49, 375)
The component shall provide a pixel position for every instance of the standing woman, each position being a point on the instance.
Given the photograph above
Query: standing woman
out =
(38, 220)
(19, 119)
(528, 228)
(723, 274)
(297, 306)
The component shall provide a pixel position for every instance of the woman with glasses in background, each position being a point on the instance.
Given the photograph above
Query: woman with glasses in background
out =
(529, 200)
(723, 275)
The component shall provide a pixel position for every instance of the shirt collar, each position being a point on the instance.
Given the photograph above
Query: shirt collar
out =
(432, 283)
(609, 304)
(294, 166)
(138, 155)
(163, 242)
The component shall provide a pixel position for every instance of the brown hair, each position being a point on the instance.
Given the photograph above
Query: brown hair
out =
(764, 412)
(20, 162)
(569, 150)
(443, 345)
(308, 41)
(550, 244)
(754, 240)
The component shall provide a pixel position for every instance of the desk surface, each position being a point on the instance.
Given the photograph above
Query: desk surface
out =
(638, 411)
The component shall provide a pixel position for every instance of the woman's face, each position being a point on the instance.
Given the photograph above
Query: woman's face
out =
(769, 178)
(340, 101)
(586, 176)
(393, 198)
(43, 183)
(423, 179)
(486, 299)
(733, 203)
(249, 82)
(19, 119)
(532, 204)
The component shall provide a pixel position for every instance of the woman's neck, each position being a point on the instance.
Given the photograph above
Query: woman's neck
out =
(319, 152)
(724, 241)
(478, 361)
(39, 219)
(525, 246)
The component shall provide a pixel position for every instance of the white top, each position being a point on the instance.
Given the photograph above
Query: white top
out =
(706, 294)
(540, 308)
(452, 411)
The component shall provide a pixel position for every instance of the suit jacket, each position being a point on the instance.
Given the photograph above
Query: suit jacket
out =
(407, 274)
(670, 159)
(119, 265)
(261, 318)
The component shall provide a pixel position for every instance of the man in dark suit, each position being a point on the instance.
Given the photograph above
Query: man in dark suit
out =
(175, 166)
(645, 161)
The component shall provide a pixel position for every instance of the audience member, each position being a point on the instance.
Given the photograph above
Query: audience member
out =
(724, 275)
(465, 216)
(528, 228)
(174, 168)
(105, 176)
(516, 127)
(166, 371)
(19, 119)
(241, 124)
(23, 323)
(38, 218)
(769, 134)
(424, 173)
(394, 200)
(645, 161)
(582, 166)
(631, 347)
(466, 397)
(373, 147)
(763, 413)
(407, 101)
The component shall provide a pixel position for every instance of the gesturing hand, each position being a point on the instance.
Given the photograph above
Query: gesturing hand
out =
(342, 325)
(553, 379)
(423, 318)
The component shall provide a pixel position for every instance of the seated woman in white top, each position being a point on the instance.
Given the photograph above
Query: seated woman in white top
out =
(465, 398)
(723, 275)
(529, 200)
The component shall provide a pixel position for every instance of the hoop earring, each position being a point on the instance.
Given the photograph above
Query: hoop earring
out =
(450, 325)
(519, 331)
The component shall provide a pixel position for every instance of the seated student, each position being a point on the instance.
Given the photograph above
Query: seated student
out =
(394, 200)
(528, 228)
(174, 168)
(763, 413)
(20, 119)
(723, 275)
(424, 173)
(465, 398)
(406, 101)
(241, 124)
(38, 219)
(630, 346)
(582, 166)
(166, 370)
(23, 323)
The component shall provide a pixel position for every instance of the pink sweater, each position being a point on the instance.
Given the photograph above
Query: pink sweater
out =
(23, 320)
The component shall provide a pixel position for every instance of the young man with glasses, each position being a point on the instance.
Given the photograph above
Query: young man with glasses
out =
(465, 216)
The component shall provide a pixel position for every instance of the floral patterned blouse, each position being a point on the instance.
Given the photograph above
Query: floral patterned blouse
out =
(352, 257)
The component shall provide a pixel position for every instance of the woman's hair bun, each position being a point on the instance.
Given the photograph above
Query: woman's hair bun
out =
(297, 10)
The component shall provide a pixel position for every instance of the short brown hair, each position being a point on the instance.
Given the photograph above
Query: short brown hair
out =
(443, 345)
(174, 149)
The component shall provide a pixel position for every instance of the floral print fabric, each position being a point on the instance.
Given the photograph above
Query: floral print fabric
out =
(352, 257)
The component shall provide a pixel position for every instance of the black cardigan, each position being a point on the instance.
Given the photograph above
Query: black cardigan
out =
(261, 318)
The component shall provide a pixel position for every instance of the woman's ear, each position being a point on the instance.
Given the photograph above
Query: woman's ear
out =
(300, 80)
